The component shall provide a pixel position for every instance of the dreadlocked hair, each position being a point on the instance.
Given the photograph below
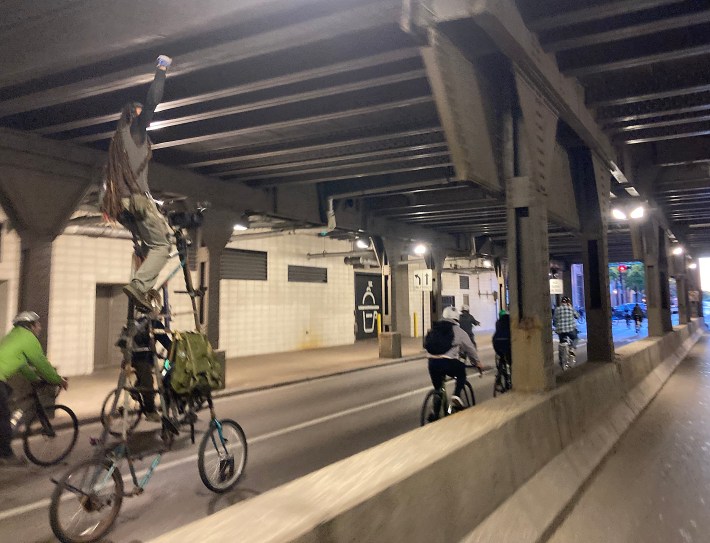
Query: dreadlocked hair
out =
(118, 171)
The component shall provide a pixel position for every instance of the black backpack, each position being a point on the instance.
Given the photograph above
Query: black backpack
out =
(440, 338)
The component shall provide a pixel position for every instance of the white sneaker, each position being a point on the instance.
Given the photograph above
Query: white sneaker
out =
(457, 404)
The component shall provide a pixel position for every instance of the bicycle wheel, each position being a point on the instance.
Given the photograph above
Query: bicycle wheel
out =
(433, 408)
(469, 398)
(127, 409)
(50, 442)
(222, 455)
(86, 501)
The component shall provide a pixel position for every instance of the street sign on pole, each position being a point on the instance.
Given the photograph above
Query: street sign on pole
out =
(423, 280)
(556, 286)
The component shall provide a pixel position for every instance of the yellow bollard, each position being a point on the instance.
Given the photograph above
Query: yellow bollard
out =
(416, 328)
(379, 324)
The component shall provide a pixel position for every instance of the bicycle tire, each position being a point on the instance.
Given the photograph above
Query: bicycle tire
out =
(85, 500)
(469, 397)
(229, 469)
(428, 408)
(109, 421)
(37, 438)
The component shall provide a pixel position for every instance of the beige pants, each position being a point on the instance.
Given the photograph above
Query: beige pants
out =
(154, 233)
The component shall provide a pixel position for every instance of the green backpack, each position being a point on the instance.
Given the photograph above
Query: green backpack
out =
(195, 366)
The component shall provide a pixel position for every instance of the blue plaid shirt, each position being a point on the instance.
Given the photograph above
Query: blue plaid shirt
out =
(565, 319)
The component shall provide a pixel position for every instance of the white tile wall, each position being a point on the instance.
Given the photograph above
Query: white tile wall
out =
(79, 263)
(275, 315)
(9, 273)
(481, 306)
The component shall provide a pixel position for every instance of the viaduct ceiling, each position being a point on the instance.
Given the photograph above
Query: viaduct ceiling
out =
(333, 94)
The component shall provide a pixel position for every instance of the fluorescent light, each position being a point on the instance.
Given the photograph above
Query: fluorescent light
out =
(240, 227)
(362, 243)
(632, 191)
(637, 213)
(692, 266)
(487, 263)
(420, 249)
(618, 214)
(612, 195)
(678, 250)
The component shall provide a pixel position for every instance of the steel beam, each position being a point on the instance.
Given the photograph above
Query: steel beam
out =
(334, 146)
(246, 88)
(682, 152)
(501, 20)
(82, 34)
(292, 123)
(596, 13)
(635, 62)
(281, 39)
(626, 32)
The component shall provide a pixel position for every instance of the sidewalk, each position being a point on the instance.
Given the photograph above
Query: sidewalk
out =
(256, 372)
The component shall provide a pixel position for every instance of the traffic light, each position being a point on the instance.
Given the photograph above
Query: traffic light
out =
(622, 268)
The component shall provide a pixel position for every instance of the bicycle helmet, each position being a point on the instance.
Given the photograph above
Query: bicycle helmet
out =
(450, 314)
(464, 308)
(25, 316)
(502, 312)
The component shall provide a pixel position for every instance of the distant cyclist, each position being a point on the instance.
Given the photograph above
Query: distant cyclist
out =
(637, 314)
(448, 362)
(501, 337)
(565, 322)
(21, 352)
(467, 322)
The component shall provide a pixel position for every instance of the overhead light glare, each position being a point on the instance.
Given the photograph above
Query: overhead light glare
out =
(637, 213)
(239, 227)
(618, 214)
(362, 243)
(692, 266)
(678, 250)
(632, 191)
(420, 249)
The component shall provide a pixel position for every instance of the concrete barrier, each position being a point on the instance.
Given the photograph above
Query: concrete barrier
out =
(503, 471)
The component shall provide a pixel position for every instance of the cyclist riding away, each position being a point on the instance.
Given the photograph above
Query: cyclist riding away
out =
(21, 352)
(448, 362)
(127, 197)
(565, 322)
(467, 322)
(637, 314)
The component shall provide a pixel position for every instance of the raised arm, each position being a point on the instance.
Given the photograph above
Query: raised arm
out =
(154, 97)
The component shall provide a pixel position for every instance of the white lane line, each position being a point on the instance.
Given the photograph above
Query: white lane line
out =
(15, 511)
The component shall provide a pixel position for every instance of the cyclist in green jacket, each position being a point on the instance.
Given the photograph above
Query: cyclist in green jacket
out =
(21, 352)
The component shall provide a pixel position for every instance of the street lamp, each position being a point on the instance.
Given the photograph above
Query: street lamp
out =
(362, 243)
(692, 266)
(420, 249)
(678, 250)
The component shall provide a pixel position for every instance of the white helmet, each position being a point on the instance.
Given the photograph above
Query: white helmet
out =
(25, 316)
(450, 314)
(464, 308)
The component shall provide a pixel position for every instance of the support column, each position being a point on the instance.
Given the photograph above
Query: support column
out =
(435, 261)
(398, 288)
(39, 195)
(683, 306)
(530, 317)
(591, 181)
(214, 236)
(530, 147)
(651, 248)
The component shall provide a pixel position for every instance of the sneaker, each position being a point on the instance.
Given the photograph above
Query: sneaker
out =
(12, 461)
(153, 416)
(139, 299)
(457, 403)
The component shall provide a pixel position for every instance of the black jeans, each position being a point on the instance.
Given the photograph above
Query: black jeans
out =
(144, 379)
(5, 427)
(439, 368)
(572, 338)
